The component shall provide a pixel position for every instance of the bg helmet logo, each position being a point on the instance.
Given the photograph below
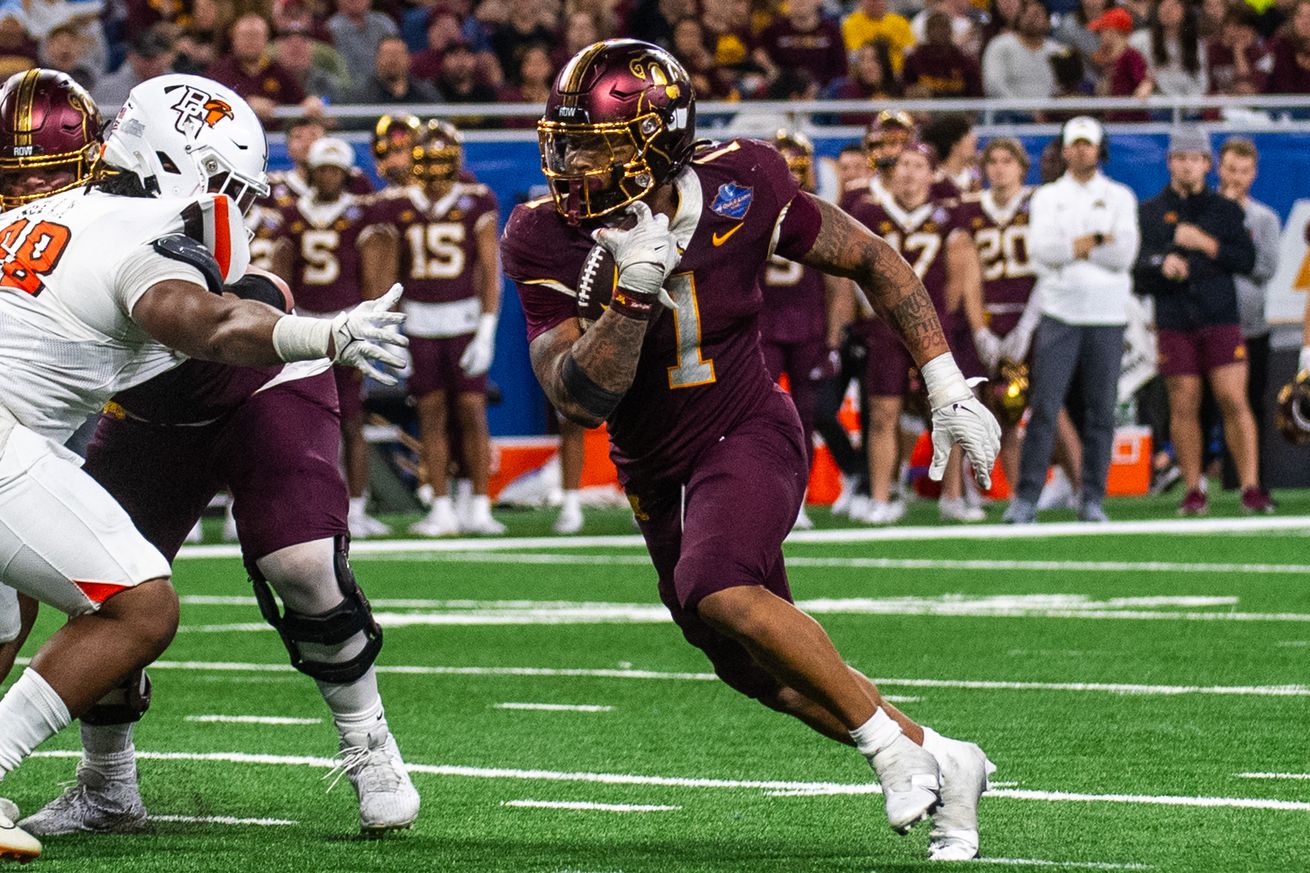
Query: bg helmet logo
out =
(197, 110)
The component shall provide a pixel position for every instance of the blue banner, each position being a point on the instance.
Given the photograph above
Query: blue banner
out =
(512, 169)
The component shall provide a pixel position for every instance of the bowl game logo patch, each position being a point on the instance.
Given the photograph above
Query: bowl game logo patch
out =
(733, 200)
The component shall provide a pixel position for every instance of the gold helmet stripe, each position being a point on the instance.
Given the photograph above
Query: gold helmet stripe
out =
(571, 76)
(26, 97)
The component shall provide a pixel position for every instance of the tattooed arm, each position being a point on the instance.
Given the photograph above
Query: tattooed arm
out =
(605, 356)
(848, 249)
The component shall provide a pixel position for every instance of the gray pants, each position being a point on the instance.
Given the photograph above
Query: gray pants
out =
(1095, 352)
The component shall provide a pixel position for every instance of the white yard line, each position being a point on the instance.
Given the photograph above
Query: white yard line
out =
(555, 707)
(451, 770)
(252, 719)
(963, 684)
(1273, 775)
(224, 820)
(1200, 526)
(1064, 865)
(586, 806)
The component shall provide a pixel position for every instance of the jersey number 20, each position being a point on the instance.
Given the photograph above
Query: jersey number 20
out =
(30, 254)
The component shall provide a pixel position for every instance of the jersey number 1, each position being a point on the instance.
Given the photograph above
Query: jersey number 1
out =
(692, 369)
(37, 255)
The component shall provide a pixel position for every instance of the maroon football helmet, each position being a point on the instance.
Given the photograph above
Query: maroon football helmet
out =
(620, 121)
(49, 136)
(439, 153)
(797, 149)
(394, 140)
(886, 136)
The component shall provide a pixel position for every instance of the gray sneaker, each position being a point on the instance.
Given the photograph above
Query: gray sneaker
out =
(1092, 511)
(1020, 511)
(93, 804)
(387, 798)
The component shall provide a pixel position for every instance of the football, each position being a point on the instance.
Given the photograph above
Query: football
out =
(597, 280)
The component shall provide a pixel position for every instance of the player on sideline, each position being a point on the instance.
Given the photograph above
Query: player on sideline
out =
(708, 448)
(102, 289)
(318, 254)
(440, 233)
(169, 443)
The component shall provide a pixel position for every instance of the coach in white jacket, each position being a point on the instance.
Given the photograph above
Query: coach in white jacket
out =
(1083, 240)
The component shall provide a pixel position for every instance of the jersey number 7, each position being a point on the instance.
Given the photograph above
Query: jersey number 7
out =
(30, 254)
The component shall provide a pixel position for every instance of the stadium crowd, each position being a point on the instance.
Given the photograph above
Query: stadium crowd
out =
(310, 52)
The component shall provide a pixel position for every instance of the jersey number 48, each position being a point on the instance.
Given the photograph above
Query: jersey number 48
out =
(30, 253)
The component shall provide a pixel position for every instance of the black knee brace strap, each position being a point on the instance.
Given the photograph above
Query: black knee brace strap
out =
(331, 628)
(124, 705)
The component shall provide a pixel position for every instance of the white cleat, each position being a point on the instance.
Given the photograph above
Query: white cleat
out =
(16, 844)
(91, 805)
(910, 780)
(439, 522)
(195, 535)
(569, 521)
(959, 509)
(484, 525)
(965, 769)
(425, 495)
(881, 512)
(363, 526)
(842, 505)
(803, 521)
(229, 525)
(371, 761)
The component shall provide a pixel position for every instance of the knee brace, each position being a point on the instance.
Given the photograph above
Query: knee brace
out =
(124, 705)
(332, 628)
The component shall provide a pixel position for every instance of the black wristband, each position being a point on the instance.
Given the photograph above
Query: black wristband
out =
(590, 396)
(1098, 239)
(631, 305)
(253, 286)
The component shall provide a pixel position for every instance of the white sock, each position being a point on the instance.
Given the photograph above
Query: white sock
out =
(933, 742)
(358, 506)
(572, 501)
(30, 714)
(480, 507)
(366, 720)
(443, 505)
(875, 734)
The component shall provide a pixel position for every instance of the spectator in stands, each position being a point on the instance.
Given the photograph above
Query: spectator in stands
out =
(1238, 61)
(805, 39)
(940, 68)
(1074, 30)
(392, 82)
(17, 50)
(871, 22)
(1141, 10)
(532, 82)
(1211, 17)
(197, 46)
(709, 79)
(356, 32)
(150, 55)
(732, 43)
(1238, 160)
(443, 30)
(581, 29)
(459, 81)
(1175, 56)
(1291, 51)
(296, 51)
(1018, 64)
(529, 22)
(870, 78)
(958, 11)
(1194, 241)
(65, 49)
(81, 21)
(248, 71)
(1002, 15)
(655, 19)
(1123, 69)
(1083, 239)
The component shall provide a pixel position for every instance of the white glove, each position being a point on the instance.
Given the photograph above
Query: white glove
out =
(959, 417)
(356, 338)
(1016, 343)
(644, 255)
(477, 356)
(988, 345)
(1303, 364)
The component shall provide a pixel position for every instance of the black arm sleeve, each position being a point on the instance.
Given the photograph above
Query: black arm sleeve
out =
(253, 286)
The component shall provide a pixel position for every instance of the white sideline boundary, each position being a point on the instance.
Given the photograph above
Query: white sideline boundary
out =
(554, 707)
(276, 720)
(582, 777)
(223, 820)
(584, 673)
(1064, 865)
(1198, 526)
(587, 806)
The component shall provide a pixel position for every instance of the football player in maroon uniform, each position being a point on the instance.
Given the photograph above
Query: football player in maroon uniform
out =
(998, 220)
(285, 186)
(794, 320)
(318, 255)
(664, 348)
(888, 133)
(440, 235)
(162, 449)
(926, 234)
(394, 139)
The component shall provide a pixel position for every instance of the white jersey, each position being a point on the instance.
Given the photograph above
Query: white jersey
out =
(73, 267)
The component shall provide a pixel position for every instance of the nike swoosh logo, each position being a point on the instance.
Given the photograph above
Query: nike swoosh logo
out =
(720, 238)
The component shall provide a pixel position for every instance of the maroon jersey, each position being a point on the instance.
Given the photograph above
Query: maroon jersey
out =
(197, 392)
(919, 234)
(438, 241)
(819, 51)
(701, 373)
(286, 186)
(324, 238)
(1002, 239)
(265, 223)
(795, 306)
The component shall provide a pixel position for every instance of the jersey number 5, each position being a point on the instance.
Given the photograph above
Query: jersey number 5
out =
(30, 254)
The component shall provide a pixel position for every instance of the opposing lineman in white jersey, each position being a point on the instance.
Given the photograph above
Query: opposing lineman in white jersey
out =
(100, 289)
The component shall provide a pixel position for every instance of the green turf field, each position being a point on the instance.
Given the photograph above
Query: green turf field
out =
(1127, 686)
